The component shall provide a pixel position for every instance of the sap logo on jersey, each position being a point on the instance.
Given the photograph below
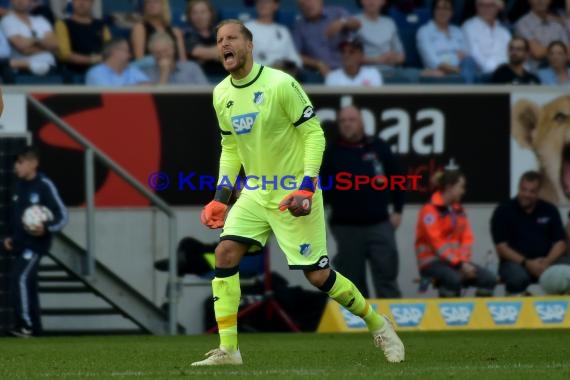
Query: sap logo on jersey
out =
(456, 314)
(504, 313)
(408, 315)
(551, 311)
(352, 321)
(244, 123)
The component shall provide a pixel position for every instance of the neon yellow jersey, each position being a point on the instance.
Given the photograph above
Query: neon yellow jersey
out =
(269, 126)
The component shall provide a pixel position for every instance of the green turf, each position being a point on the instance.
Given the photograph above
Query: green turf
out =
(537, 355)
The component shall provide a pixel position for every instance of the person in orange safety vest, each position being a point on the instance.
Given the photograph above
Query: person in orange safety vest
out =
(444, 241)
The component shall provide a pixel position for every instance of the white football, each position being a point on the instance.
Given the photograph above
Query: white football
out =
(36, 215)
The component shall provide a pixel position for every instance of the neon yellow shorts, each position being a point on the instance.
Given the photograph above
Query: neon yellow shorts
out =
(303, 239)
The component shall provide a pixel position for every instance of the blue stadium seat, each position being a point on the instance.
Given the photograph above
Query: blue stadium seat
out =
(286, 17)
(240, 13)
(448, 79)
(110, 6)
(408, 24)
(29, 79)
(118, 32)
(397, 79)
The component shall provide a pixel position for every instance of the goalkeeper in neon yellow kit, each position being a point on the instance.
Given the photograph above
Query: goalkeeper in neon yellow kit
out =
(268, 125)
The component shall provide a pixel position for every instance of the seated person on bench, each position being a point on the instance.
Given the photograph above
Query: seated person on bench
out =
(444, 240)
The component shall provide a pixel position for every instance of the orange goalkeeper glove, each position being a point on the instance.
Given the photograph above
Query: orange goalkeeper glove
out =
(214, 213)
(300, 201)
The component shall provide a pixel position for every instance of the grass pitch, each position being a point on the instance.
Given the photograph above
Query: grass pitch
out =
(482, 355)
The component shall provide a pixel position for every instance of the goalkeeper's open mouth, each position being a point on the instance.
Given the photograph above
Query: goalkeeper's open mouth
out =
(229, 57)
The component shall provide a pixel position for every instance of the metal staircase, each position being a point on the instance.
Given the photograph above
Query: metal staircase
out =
(119, 308)
(78, 293)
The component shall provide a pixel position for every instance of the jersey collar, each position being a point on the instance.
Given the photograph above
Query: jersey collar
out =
(250, 78)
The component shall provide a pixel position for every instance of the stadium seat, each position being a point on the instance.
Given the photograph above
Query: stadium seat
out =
(286, 17)
(110, 6)
(28, 79)
(119, 32)
(241, 13)
(408, 25)
(448, 79)
(397, 79)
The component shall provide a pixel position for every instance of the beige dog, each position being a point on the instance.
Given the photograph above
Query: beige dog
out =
(546, 131)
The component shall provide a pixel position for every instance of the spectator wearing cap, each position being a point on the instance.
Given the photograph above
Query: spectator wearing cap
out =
(442, 46)
(382, 45)
(319, 31)
(352, 72)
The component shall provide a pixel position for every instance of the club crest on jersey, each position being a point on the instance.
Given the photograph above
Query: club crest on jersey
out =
(244, 123)
(305, 249)
(34, 198)
(258, 97)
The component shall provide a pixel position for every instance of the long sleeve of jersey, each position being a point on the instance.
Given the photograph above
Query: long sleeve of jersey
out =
(297, 105)
(230, 162)
(314, 139)
(55, 204)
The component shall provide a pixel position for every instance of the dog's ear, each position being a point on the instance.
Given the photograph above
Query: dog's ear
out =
(524, 116)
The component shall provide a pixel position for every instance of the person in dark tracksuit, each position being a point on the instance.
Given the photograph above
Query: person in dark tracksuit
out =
(28, 246)
(360, 221)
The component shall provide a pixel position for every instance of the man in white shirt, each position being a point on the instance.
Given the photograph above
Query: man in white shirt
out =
(487, 39)
(31, 37)
(272, 43)
(352, 72)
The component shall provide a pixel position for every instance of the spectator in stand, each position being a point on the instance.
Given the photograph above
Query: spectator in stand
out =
(486, 38)
(318, 33)
(6, 63)
(361, 223)
(444, 241)
(201, 37)
(4, 7)
(352, 72)
(557, 72)
(116, 70)
(520, 8)
(156, 18)
(81, 38)
(442, 46)
(62, 9)
(530, 240)
(382, 45)
(538, 28)
(166, 69)
(31, 38)
(272, 43)
(514, 72)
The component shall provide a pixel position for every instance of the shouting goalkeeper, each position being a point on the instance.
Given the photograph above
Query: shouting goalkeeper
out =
(269, 126)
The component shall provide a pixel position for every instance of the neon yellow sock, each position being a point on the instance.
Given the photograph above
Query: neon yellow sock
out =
(345, 293)
(227, 293)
